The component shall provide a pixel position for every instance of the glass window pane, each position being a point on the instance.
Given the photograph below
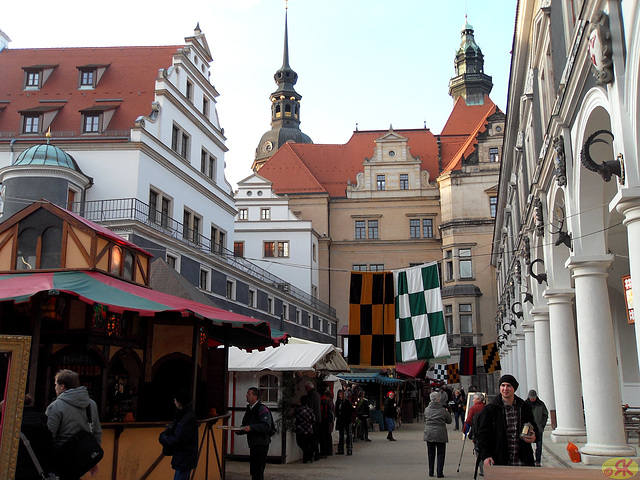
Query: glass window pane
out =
(466, 324)
(465, 269)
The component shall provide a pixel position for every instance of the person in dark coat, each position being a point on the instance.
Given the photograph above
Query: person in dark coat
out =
(500, 425)
(390, 414)
(304, 420)
(256, 424)
(436, 418)
(314, 404)
(180, 438)
(541, 415)
(344, 412)
(34, 427)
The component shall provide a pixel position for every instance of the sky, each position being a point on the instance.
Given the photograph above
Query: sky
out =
(370, 63)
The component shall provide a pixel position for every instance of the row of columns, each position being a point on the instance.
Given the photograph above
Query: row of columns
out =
(545, 354)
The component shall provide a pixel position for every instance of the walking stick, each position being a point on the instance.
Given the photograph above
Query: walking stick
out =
(461, 452)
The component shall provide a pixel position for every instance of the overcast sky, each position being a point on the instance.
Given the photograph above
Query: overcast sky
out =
(370, 62)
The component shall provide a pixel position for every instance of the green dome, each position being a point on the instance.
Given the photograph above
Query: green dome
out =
(47, 154)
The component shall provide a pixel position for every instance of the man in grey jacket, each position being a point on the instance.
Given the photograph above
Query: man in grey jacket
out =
(67, 414)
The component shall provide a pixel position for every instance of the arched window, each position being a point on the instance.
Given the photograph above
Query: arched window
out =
(269, 388)
(27, 243)
(277, 108)
(287, 108)
(50, 255)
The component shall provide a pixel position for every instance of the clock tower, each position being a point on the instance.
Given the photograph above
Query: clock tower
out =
(285, 111)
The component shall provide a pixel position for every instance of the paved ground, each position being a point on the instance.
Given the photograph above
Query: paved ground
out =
(405, 459)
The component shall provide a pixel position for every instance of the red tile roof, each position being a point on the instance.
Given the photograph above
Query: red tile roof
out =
(130, 76)
(321, 168)
(328, 168)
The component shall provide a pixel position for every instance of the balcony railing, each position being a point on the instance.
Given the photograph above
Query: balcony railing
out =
(101, 211)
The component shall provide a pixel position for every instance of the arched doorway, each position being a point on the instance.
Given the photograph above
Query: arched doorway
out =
(172, 373)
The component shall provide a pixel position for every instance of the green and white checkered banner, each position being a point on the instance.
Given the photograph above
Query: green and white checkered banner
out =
(420, 331)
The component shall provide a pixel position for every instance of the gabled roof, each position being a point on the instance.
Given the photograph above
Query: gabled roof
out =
(129, 80)
(464, 118)
(468, 146)
(318, 168)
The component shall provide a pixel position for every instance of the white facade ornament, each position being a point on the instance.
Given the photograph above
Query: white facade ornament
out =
(359, 181)
(600, 50)
(424, 178)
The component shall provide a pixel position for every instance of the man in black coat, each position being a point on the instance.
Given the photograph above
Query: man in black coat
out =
(500, 425)
(180, 439)
(34, 427)
(256, 425)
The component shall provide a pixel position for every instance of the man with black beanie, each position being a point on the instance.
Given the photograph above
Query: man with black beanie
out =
(500, 436)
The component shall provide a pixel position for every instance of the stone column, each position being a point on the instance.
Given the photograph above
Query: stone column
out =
(530, 362)
(630, 208)
(566, 370)
(521, 374)
(601, 382)
(544, 372)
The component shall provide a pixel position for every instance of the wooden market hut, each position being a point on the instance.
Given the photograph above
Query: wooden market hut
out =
(82, 293)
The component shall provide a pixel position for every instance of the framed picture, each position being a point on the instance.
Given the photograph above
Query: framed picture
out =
(14, 366)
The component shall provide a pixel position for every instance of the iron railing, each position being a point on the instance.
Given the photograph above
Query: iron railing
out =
(101, 211)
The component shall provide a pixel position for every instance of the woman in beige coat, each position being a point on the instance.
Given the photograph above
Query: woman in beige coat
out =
(435, 433)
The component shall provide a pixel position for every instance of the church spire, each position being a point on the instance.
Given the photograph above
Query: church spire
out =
(285, 109)
(470, 80)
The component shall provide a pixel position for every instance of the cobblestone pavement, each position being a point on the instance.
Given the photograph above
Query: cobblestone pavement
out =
(404, 459)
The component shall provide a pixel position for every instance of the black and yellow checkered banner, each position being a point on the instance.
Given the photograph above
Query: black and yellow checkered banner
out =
(491, 358)
(372, 324)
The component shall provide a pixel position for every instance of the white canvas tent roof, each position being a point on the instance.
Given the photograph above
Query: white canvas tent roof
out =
(308, 356)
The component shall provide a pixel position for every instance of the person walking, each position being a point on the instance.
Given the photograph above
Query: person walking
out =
(327, 412)
(67, 414)
(500, 436)
(436, 418)
(256, 425)
(362, 415)
(180, 438)
(344, 411)
(304, 420)
(471, 424)
(34, 427)
(457, 408)
(541, 415)
(314, 400)
(390, 414)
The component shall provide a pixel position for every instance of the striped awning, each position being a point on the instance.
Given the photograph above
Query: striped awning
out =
(368, 378)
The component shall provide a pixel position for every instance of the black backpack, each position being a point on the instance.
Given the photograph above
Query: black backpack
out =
(272, 430)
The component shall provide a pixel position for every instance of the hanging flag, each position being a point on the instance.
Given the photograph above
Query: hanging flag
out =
(491, 358)
(420, 331)
(371, 320)
(446, 373)
(468, 361)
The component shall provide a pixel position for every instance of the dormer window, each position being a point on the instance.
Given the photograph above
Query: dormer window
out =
(96, 119)
(91, 123)
(31, 124)
(87, 78)
(36, 75)
(33, 79)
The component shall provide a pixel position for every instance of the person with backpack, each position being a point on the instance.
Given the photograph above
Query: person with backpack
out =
(257, 424)
(304, 421)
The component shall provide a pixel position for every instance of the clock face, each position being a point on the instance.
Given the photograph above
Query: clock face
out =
(268, 146)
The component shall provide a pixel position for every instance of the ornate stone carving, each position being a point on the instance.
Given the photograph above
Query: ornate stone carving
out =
(600, 50)
(560, 161)
(538, 217)
(359, 181)
(424, 178)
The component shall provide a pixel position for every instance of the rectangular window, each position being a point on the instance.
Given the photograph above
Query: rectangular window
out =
(172, 261)
(231, 290)
(449, 263)
(204, 279)
(31, 124)
(189, 91)
(285, 311)
(414, 228)
(222, 242)
(404, 181)
(373, 228)
(376, 267)
(175, 135)
(243, 214)
(33, 79)
(196, 229)
(270, 305)
(191, 224)
(211, 173)
(205, 106)
(493, 205)
(184, 145)
(238, 249)
(283, 249)
(448, 318)
(360, 230)
(203, 161)
(466, 319)
(86, 78)
(91, 124)
(313, 252)
(153, 206)
(298, 317)
(214, 239)
(269, 249)
(465, 263)
(265, 214)
(186, 222)
(380, 182)
(493, 154)
(164, 219)
(251, 301)
(359, 268)
(427, 228)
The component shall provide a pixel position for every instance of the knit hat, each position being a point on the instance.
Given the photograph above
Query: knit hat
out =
(509, 379)
(532, 394)
(183, 397)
